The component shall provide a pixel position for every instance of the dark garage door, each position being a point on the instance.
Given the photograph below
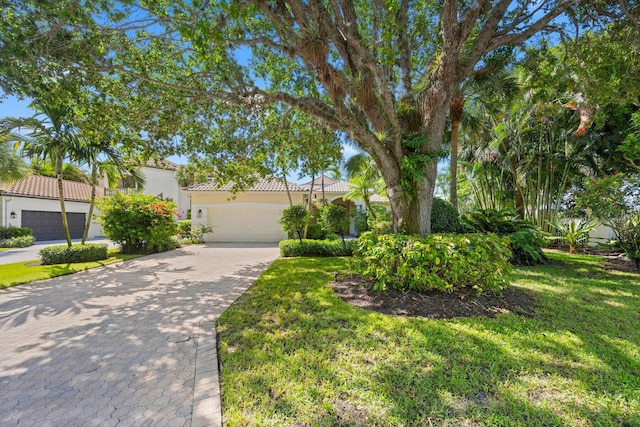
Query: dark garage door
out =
(48, 225)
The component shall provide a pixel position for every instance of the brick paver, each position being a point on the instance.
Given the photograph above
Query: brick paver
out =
(131, 344)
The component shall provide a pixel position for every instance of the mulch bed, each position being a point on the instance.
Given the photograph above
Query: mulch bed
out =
(435, 305)
(440, 305)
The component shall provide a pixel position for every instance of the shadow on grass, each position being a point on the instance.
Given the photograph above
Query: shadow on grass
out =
(293, 353)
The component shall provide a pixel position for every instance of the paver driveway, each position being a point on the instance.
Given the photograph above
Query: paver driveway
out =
(127, 344)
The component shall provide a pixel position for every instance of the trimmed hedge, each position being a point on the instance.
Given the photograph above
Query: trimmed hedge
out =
(12, 232)
(17, 242)
(294, 248)
(442, 262)
(77, 253)
(444, 217)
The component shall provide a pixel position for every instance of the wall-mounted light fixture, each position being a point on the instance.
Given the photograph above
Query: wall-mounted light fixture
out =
(13, 214)
(199, 214)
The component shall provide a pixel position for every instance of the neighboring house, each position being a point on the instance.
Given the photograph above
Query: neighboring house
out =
(33, 202)
(249, 216)
(160, 180)
(254, 215)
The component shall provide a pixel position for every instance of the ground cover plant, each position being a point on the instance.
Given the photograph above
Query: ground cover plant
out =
(25, 272)
(293, 353)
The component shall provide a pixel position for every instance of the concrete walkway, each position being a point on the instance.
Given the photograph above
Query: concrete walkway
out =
(131, 344)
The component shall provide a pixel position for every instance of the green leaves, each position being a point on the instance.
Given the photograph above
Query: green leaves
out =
(444, 262)
(294, 219)
(138, 222)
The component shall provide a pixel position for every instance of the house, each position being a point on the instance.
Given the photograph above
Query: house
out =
(254, 215)
(33, 202)
(160, 180)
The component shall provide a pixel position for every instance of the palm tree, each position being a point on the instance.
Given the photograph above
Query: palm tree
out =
(480, 89)
(104, 159)
(364, 179)
(50, 133)
(12, 167)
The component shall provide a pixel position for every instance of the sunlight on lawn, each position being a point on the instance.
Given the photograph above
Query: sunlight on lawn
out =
(294, 353)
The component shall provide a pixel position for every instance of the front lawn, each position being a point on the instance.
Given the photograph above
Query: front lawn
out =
(293, 353)
(24, 272)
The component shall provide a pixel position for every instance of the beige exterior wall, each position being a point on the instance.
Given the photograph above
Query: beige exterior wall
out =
(247, 217)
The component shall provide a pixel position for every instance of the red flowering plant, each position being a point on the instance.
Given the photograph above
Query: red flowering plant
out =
(139, 222)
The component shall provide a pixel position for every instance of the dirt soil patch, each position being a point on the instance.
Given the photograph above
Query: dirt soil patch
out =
(436, 305)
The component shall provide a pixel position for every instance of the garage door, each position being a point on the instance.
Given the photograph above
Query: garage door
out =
(246, 222)
(48, 225)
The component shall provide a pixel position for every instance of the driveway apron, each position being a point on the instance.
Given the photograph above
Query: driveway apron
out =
(126, 344)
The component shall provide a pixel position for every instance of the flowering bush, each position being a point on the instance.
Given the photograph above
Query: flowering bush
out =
(139, 222)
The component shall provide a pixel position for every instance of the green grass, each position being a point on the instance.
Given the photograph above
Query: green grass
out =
(293, 353)
(25, 272)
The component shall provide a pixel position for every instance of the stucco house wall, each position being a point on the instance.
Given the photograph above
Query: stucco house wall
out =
(250, 216)
(40, 194)
(18, 204)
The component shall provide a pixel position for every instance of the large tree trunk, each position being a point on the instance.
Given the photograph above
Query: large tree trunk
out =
(63, 210)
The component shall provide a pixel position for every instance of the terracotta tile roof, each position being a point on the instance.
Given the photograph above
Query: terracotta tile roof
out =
(47, 188)
(318, 181)
(267, 185)
(161, 164)
(336, 187)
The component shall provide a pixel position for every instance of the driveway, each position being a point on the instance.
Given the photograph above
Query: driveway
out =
(127, 344)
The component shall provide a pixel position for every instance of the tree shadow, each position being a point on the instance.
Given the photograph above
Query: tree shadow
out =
(117, 342)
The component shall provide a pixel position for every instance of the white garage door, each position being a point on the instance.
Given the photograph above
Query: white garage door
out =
(246, 222)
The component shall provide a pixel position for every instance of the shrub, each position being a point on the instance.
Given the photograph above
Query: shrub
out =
(630, 239)
(335, 219)
(442, 262)
(139, 222)
(294, 219)
(306, 247)
(444, 217)
(525, 242)
(315, 232)
(17, 242)
(382, 223)
(12, 232)
(188, 234)
(360, 222)
(575, 233)
(184, 229)
(77, 253)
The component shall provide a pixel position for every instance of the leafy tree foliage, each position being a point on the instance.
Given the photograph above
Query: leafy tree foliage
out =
(12, 167)
(335, 219)
(384, 74)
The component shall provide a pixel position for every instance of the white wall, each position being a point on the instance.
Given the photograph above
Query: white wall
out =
(163, 181)
(18, 204)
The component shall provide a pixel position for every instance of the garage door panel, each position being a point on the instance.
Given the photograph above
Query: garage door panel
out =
(246, 223)
(48, 225)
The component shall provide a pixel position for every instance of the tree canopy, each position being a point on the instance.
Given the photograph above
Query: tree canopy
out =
(194, 75)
